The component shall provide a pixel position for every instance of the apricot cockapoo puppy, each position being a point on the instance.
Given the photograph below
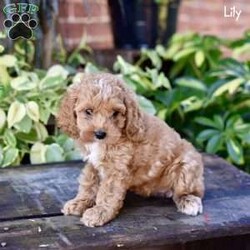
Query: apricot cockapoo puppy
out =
(126, 149)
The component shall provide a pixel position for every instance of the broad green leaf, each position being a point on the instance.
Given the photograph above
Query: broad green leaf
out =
(78, 77)
(21, 83)
(2, 118)
(162, 113)
(242, 128)
(57, 70)
(65, 142)
(8, 61)
(235, 151)
(214, 144)
(192, 103)
(37, 153)
(146, 105)
(73, 155)
(9, 138)
(205, 121)
(219, 122)
(162, 80)
(191, 83)
(24, 125)
(199, 58)
(1, 155)
(50, 82)
(32, 110)
(153, 56)
(54, 153)
(232, 120)
(124, 66)
(44, 114)
(91, 68)
(206, 134)
(1, 48)
(10, 155)
(230, 86)
(30, 137)
(183, 53)
(4, 76)
(246, 139)
(16, 113)
(41, 131)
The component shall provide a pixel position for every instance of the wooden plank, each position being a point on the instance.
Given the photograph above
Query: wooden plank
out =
(36, 190)
(136, 227)
(42, 190)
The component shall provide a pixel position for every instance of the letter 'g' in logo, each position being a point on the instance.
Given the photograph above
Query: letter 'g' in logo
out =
(20, 24)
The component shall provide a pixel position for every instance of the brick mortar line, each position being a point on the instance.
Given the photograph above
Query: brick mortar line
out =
(86, 20)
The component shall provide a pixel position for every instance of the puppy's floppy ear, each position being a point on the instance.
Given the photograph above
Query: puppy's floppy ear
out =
(134, 118)
(66, 117)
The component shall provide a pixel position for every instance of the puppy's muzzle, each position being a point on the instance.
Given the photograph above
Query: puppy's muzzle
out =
(100, 134)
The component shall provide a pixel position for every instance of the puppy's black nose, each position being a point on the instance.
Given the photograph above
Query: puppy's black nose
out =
(100, 134)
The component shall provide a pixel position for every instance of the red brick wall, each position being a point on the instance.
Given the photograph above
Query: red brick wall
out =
(89, 18)
(207, 17)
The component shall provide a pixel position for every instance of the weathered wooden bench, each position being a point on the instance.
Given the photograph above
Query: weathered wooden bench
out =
(31, 198)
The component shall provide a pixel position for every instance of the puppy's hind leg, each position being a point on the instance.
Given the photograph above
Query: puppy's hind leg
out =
(189, 186)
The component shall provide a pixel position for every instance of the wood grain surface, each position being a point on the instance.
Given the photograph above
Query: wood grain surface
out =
(31, 198)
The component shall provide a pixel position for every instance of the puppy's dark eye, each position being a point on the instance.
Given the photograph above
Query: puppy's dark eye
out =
(115, 114)
(88, 112)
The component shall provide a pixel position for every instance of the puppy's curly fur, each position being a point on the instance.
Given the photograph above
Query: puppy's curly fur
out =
(126, 149)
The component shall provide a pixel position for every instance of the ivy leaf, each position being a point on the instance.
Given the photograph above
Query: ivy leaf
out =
(41, 131)
(57, 70)
(1, 155)
(32, 109)
(54, 153)
(37, 153)
(24, 125)
(8, 60)
(22, 83)
(44, 114)
(235, 151)
(73, 155)
(16, 113)
(10, 155)
(9, 138)
(2, 118)
(50, 82)
(1, 48)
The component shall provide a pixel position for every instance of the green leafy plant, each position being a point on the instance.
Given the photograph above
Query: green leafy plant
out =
(28, 101)
(206, 97)
(189, 84)
(226, 135)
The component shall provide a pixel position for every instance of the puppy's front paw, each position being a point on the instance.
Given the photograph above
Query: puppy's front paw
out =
(74, 207)
(190, 205)
(96, 216)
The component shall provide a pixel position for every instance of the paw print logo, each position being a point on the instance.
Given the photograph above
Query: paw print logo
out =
(20, 26)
